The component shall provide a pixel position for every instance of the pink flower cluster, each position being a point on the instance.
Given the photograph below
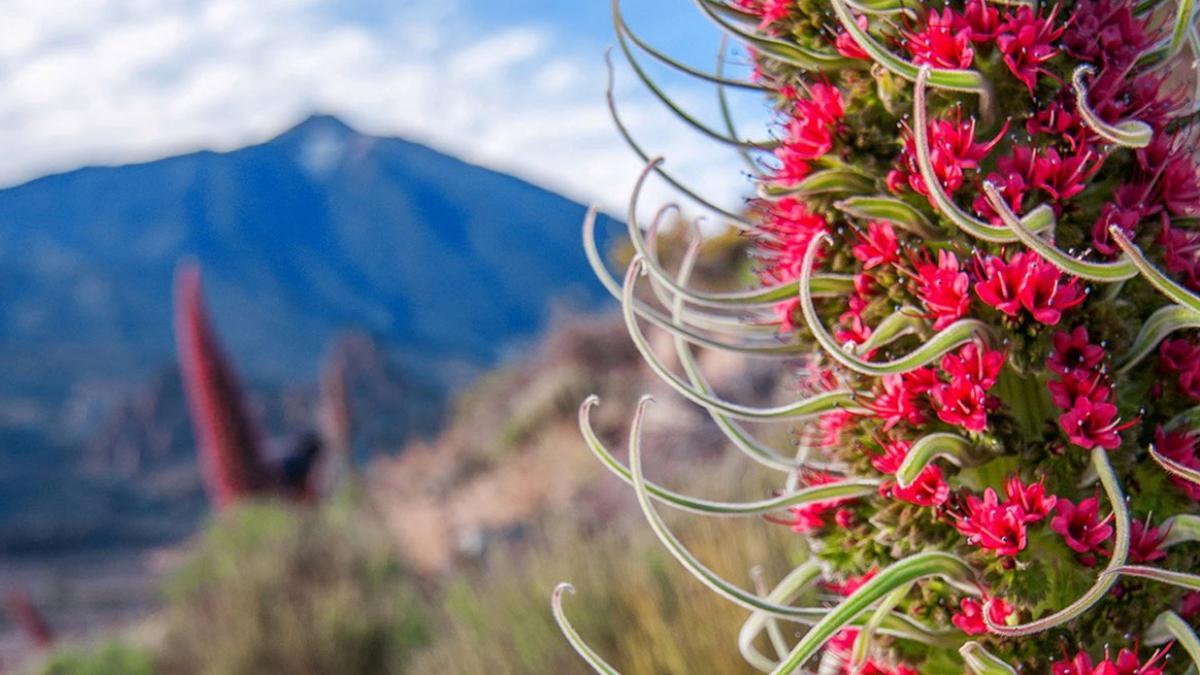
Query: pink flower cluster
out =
(1181, 357)
(1084, 391)
(960, 398)
(1025, 38)
(1027, 168)
(1027, 281)
(1082, 529)
(842, 645)
(952, 149)
(1179, 445)
(793, 228)
(1001, 526)
(970, 619)
(808, 131)
(1126, 663)
(812, 516)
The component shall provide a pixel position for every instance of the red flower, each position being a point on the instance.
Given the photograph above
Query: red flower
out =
(847, 46)
(1079, 384)
(1032, 498)
(929, 489)
(974, 364)
(770, 11)
(983, 19)
(1002, 282)
(852, 583)
(808, 132)
(943, 288)
(952, 148)
(878, 246)
(831, 425)
(794, 228)
(961, 403)
(1081, 528)
(1072, 351)
(1179, 445)
(1181, 253)
(970, 619)
(893, 456)
(1027, 41)
(1089, 424)
(898, 402)
(811, 516)
(1176, 356)
(1126, 210)
(1045, 294)
(1127, 663)
(943, 42)
(1064, 177)
(1145, 542)
(991, 525)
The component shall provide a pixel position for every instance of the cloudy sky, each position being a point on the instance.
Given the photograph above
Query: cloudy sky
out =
(515, 85)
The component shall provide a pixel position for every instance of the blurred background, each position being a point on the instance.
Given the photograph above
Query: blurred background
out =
(294, 323)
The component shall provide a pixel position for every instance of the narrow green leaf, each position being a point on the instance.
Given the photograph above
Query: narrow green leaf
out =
(956, 334)
(895, 211)
(949, 446)
(1129, 134)
(1168, 627)
(1167, 286)
(787, 52)
(1120, 270)
(955, 80)
(821, 403)
(1180, 579)
(866, 635)
(914, 568)
(828, 181)
(1182, 528)
(735, 219)
(1175, 468)
(585, 652)
(1162, 323)
(983, 662)
(848, 489)
(665, 99)
(904, 321)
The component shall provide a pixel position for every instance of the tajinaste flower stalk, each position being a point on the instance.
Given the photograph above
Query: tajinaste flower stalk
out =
(980, 224)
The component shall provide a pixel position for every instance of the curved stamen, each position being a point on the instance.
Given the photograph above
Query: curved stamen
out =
(956, 334)
(1120, 514)
(1129, 134)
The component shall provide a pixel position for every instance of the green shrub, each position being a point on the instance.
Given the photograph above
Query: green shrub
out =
(110, 658)
(276, 590)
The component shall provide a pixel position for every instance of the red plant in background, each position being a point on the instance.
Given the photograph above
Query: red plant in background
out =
(24, 613)
(226, 438)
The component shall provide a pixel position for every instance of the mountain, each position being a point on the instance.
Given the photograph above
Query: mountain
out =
(447, 265)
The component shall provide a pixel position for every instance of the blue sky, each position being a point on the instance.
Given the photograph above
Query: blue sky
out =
(516, 85)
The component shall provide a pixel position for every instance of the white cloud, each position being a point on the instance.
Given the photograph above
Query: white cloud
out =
(112, 81)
